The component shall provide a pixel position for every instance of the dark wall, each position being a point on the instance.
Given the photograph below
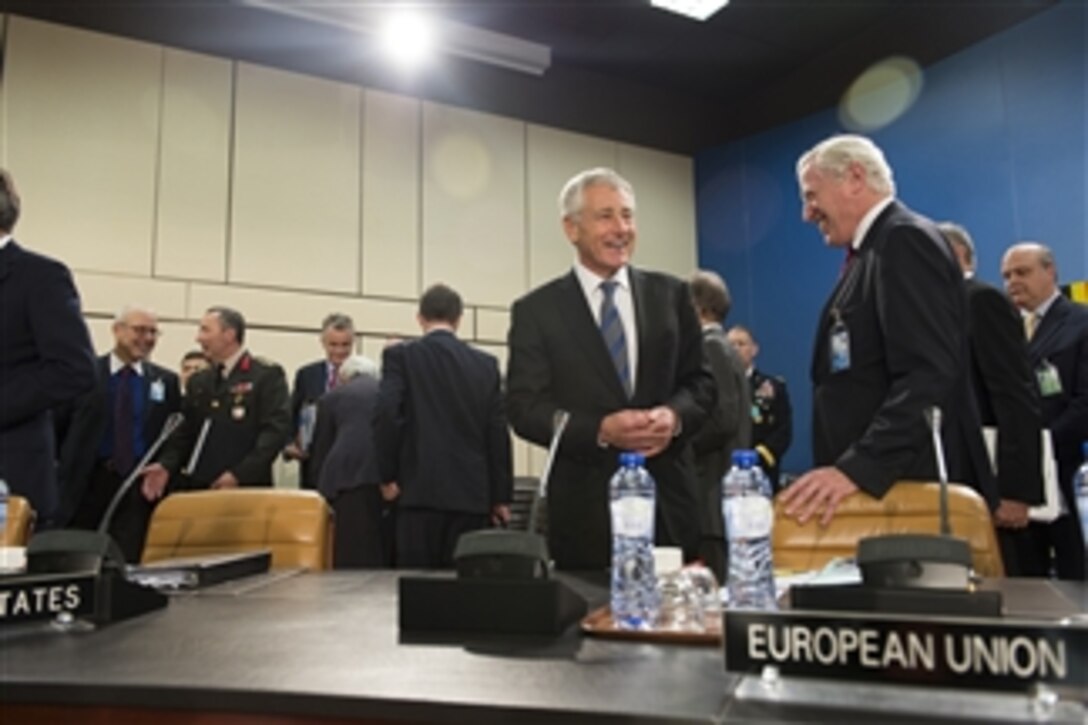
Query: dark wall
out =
(996, 141)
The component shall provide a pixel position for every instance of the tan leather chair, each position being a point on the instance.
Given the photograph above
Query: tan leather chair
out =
(296, 526)
(908, 507)
(20, 523)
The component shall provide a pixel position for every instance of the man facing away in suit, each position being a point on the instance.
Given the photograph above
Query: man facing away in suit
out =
(46, 360)
(112, 428)
(1057, 333)
(729, 426)
(236, 416)
(442, 440)
(1008, 402)
(345, 467)
(891, 343)
(311, 382)
(618, 351)
(771, 412)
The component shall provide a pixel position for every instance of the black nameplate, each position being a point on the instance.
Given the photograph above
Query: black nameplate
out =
(43, 596)
(984, 654)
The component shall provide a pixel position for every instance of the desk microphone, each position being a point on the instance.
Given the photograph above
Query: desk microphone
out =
(561, 420)
(172, 422)
(67, 550)
(939, 561)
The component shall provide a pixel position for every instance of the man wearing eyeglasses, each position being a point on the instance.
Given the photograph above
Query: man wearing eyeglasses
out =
(112, 427)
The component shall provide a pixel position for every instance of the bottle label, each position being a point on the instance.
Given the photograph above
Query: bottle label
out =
(633, 516)
(748, 517)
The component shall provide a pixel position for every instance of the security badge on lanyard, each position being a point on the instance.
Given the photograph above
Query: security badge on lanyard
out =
(1050, 383)
(839, 343)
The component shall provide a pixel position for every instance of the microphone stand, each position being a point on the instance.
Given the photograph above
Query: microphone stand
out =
(81, 550)
(561, 420)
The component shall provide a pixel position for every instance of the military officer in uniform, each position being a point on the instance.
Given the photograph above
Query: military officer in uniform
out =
(772, 416)
(236, 416)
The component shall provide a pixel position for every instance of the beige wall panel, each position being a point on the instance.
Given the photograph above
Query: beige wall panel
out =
(474, 204)
(191, 231)
(554, 157)
(665, 189)
(82, 125)
(105, 294)
(290, 350)
(295, 200)
(491, 325)
(285, 308)
(391, 152)
(520, 450)
(3, 111)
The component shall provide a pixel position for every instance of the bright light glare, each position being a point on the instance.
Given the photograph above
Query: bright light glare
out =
(408, 38)
(697, 9)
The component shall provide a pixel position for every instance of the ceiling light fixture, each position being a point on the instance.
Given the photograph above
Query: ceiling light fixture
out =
(698, 9)
(449, 37)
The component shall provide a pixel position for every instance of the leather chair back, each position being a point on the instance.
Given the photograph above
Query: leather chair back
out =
(296, 526)
(20, 522)
(908, 507)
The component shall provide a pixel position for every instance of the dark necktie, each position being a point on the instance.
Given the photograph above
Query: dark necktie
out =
(334, 374)
(614, 338)
(851, 256)
(123, 446)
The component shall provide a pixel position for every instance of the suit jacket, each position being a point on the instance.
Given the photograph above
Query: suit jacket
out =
(904, 303)
(88, 423)
(1062, 340)
(558, 362)
(440, 427)
(310, 383)
(46, 360)
(342, 456)
(728, 427)
(248, 422)
(772, 421)
(1005, 391)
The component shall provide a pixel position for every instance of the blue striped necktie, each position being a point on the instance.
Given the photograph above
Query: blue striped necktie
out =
(612, 331)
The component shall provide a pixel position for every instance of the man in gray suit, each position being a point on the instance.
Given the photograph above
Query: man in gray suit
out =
(729, 426)
(344, 466)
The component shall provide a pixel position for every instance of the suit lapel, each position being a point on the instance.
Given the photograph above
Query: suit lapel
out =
(7, 258)
(572, 308)
(1048, 327)
(640, 304)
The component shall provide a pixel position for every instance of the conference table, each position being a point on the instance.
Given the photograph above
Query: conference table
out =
(293, 647)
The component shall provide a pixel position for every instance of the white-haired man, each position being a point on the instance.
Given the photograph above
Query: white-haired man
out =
(891, 341)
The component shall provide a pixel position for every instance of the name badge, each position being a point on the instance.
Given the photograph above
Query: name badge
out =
(1050, 383)
(839, 345)
(157, 391)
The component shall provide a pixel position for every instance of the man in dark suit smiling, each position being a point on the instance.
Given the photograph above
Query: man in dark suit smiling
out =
(46, 360)
(619, 350)
(891, 341)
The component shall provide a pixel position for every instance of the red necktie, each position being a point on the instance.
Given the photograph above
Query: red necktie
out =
(851, 255)
(334, 375)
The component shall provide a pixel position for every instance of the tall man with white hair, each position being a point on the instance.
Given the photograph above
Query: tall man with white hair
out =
(619, 350)
(891, 342)
(1057, 332)
(112, 427)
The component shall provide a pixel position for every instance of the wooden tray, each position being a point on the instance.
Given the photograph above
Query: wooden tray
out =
(598, 623)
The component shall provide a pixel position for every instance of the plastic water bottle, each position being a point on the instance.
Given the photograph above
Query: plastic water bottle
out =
(3, 510)
(634, 586)
(749, 518)
(1080, 491)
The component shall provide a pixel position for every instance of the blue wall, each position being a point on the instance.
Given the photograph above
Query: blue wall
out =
(996, 141)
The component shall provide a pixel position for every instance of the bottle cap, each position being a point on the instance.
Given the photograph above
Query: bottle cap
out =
(630, 458)
(745, 458)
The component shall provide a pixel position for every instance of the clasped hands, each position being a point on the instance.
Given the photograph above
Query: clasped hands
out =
(643, 431)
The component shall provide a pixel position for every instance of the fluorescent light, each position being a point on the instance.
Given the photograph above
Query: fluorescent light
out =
(448, 37)
(408, 38)
(698, 9)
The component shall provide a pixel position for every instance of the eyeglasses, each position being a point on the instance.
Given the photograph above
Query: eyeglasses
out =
(144, 330)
